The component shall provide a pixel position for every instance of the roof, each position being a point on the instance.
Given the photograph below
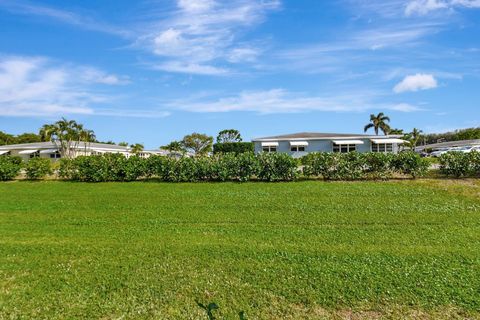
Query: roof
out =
(449, 144)
(319, 136)
(51, 145)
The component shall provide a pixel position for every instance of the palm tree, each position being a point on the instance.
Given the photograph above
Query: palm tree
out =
(46, 132)
(136, 148)
(395, 131)
(87, 136)
(378, 122)
(415, 137)
(66, 135)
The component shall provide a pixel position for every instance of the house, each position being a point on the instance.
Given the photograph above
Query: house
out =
(299, 144)
(50, 150)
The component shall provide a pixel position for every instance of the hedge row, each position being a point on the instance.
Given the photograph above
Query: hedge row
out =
(357, 166)
(232, 167)
(460, 164)
(222, 167)
(36, 168)
(9, 167)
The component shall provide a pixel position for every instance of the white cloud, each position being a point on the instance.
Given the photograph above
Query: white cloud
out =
(423, 7)
(93, 75)
(32, 86)
(238, 55)
(64, 16)
(196, 5)
(191, 68)
(405, 107)
(419, 81)
(202, 33)
(283, 101)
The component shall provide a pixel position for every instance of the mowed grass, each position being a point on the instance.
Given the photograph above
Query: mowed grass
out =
(310, 250)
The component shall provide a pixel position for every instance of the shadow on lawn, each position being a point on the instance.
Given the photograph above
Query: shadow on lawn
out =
(213, 306)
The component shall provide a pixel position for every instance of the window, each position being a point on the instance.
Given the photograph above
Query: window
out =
(344, 148)
(382, 147)
(55, 155)
(297, 148)
(269, 149)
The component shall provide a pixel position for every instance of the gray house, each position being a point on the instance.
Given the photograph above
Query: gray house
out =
(299, 144)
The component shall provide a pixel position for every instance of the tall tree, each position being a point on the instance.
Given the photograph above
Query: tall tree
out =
(123, 144)
(395, 131)
(136, 148)
(174, 146)
(413, 138)
(229, 135)
(27, 138)
(198, 143)
(65, 134)
(87, 137)
(6, 138)
(378, 122)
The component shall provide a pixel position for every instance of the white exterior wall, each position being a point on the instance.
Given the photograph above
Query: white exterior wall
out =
(319, 145)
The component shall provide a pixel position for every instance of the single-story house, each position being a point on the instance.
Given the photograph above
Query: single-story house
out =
(299, 144)
(50, 150)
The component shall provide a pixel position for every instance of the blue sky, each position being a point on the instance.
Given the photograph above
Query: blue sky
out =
(151, 71)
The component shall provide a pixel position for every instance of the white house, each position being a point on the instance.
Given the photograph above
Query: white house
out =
(50, 150)
(299, 144)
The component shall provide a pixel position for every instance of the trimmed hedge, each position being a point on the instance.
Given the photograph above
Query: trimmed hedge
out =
(243, 167)
(221, 167)
(107, 167)
(358, 166)
(38, 168)
(10, 167)
(460, 164)
(233, 147)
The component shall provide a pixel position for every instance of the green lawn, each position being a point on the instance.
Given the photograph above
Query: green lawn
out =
(309, 250)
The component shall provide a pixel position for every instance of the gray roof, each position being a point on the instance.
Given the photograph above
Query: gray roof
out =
(450, 144)
(51, 145)
(318, 135)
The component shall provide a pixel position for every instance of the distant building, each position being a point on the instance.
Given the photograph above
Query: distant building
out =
(449, 144)
(50, 150)
(299, 144)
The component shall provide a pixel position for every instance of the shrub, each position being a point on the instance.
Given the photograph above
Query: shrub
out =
(379, 165)
(410, 163)
(356, 166)
(107, 167)
(233, 147)
(38, 168)
(335, 166)
(9, 167)
(460, 164)
(277, 167)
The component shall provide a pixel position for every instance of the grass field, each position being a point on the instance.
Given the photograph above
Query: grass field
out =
(310, 250)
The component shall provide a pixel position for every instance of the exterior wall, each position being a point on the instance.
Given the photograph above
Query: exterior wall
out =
(318, 146)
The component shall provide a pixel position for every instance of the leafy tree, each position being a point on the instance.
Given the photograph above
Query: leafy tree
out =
(378, 122)
(198, 143)
(412, 139)
(174, 146)
(6, 138)
(87, 136)
(28, 138)
(136, 148)
(123, 144)
(66, 135)
(395, 131)
(229, 135)
(462, 134)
